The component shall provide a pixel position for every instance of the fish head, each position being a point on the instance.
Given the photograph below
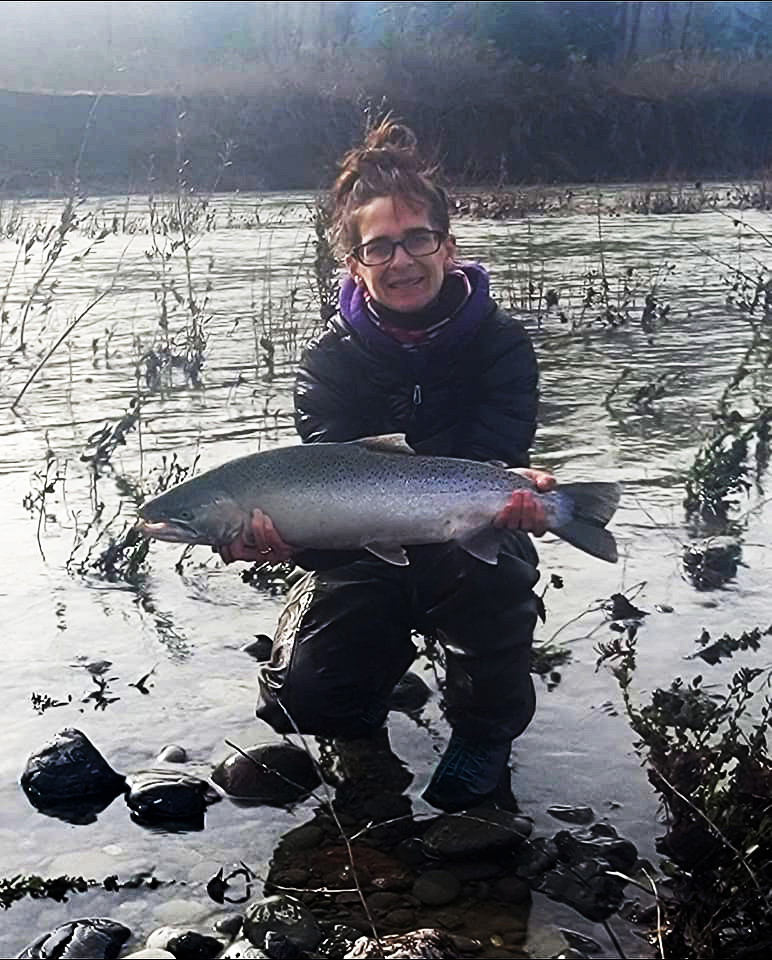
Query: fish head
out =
(191, 514)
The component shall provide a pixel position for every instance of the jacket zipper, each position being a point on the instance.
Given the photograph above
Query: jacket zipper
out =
(417, 395)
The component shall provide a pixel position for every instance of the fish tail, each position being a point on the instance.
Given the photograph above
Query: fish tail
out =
(592, 506)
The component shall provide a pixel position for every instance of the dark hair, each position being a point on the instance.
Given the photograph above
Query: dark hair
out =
(386, 165)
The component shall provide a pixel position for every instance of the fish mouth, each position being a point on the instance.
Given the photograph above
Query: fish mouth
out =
(173, 531)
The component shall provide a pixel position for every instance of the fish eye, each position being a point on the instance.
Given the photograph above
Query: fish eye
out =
(186, 515)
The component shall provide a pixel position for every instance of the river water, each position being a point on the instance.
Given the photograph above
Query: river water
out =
(253, 274)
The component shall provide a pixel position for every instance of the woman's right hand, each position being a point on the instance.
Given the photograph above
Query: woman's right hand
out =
(259, 542)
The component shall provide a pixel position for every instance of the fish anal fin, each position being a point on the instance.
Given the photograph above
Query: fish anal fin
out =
(483, 544)
(391, 553)
(386, 443)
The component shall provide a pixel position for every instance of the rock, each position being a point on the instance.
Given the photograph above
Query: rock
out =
(600, 841)
(511, 890)
(245, 950)
(476, 834)
(331, 867)
(534, 858)
(282, 916)
(306, 837)
(69, 768)
(259, 648)
(337, 941)
(94, 938)
(184, 944)
(425, 943)
(437, 888)
(585, 886)
(410, 694)
(580, 942)
(155, 795)
(404, 917)
(277, 774)
(475, 869)
(172, 753)
(383, 901)
(229, 926)
(569, 813)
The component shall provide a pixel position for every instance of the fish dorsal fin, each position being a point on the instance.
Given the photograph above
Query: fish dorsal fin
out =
(386, 443)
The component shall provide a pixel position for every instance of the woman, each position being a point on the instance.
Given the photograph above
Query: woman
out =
(419, 348)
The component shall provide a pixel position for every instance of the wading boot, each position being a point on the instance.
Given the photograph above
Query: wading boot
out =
(472, 772)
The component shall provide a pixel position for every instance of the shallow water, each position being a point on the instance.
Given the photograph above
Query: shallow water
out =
(188, 627)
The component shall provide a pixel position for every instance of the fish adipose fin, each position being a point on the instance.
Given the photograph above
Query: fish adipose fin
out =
(593, 506)
(386, 443)
(483, 544)
(389, 552)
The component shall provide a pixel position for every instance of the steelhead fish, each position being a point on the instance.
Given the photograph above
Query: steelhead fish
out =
(376, 494)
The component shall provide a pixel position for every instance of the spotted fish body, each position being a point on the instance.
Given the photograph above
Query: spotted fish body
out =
(375, 494)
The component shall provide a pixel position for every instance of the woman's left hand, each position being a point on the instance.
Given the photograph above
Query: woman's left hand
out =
(525, 510)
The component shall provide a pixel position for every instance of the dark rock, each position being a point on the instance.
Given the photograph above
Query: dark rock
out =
(534, 858)
(410, 695)
(403, 917)
(600, 841)
(581, 942)
(69, 768)
(95, 938)
(476, 834)
(337, 941)
(425, 943)
(185, 944)
(437, 888)
(475, 869)
(275, 774)
(280, 947)
(383, 901)
(172, 753)
(411, 852)
(155, 795)
(291, 877)
(305, 837)
(511, 890)
(569, 813)
(332, 866)
(282, 916)
(229, 926)
(586, 887)
(259, 648)
(244, 950)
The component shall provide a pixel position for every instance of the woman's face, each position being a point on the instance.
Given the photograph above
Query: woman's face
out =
(404, 283)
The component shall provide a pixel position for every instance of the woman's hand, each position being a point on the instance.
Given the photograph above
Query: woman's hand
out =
(524, 510)
(260, 541)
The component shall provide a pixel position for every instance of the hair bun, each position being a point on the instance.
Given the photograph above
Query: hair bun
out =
(388, 133)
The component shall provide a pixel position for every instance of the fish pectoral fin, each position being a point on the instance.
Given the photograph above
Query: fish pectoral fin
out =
(389, 552)
(386, 443)
(483, 544)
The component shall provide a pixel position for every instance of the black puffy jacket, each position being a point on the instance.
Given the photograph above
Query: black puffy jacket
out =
(478, 403)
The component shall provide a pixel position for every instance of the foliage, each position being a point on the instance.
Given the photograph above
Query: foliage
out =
(707, 757)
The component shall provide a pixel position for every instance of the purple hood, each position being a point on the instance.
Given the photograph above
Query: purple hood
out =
(463, 324)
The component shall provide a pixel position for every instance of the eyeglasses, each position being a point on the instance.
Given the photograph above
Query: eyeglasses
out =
(416, 243)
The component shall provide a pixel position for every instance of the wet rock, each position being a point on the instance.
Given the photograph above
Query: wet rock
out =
(331, 867)
(586, 887)
(570, 813)
(229, 926)
(402, 918)
(275, 774)
(306, 837)
(93, 938)
(67, 769)
(511, 890)
(185, 944)
(282, 916)
(436, 888)
(476, 834)
(711, 563)
(337, 941)
(475, 870)
(259, 648)
(244, 950)
(155, 795)
(425, 943)
(410, 695)
(578, 941)
(172, 753)
(383, 901)
(600, 841)
(534, 858)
